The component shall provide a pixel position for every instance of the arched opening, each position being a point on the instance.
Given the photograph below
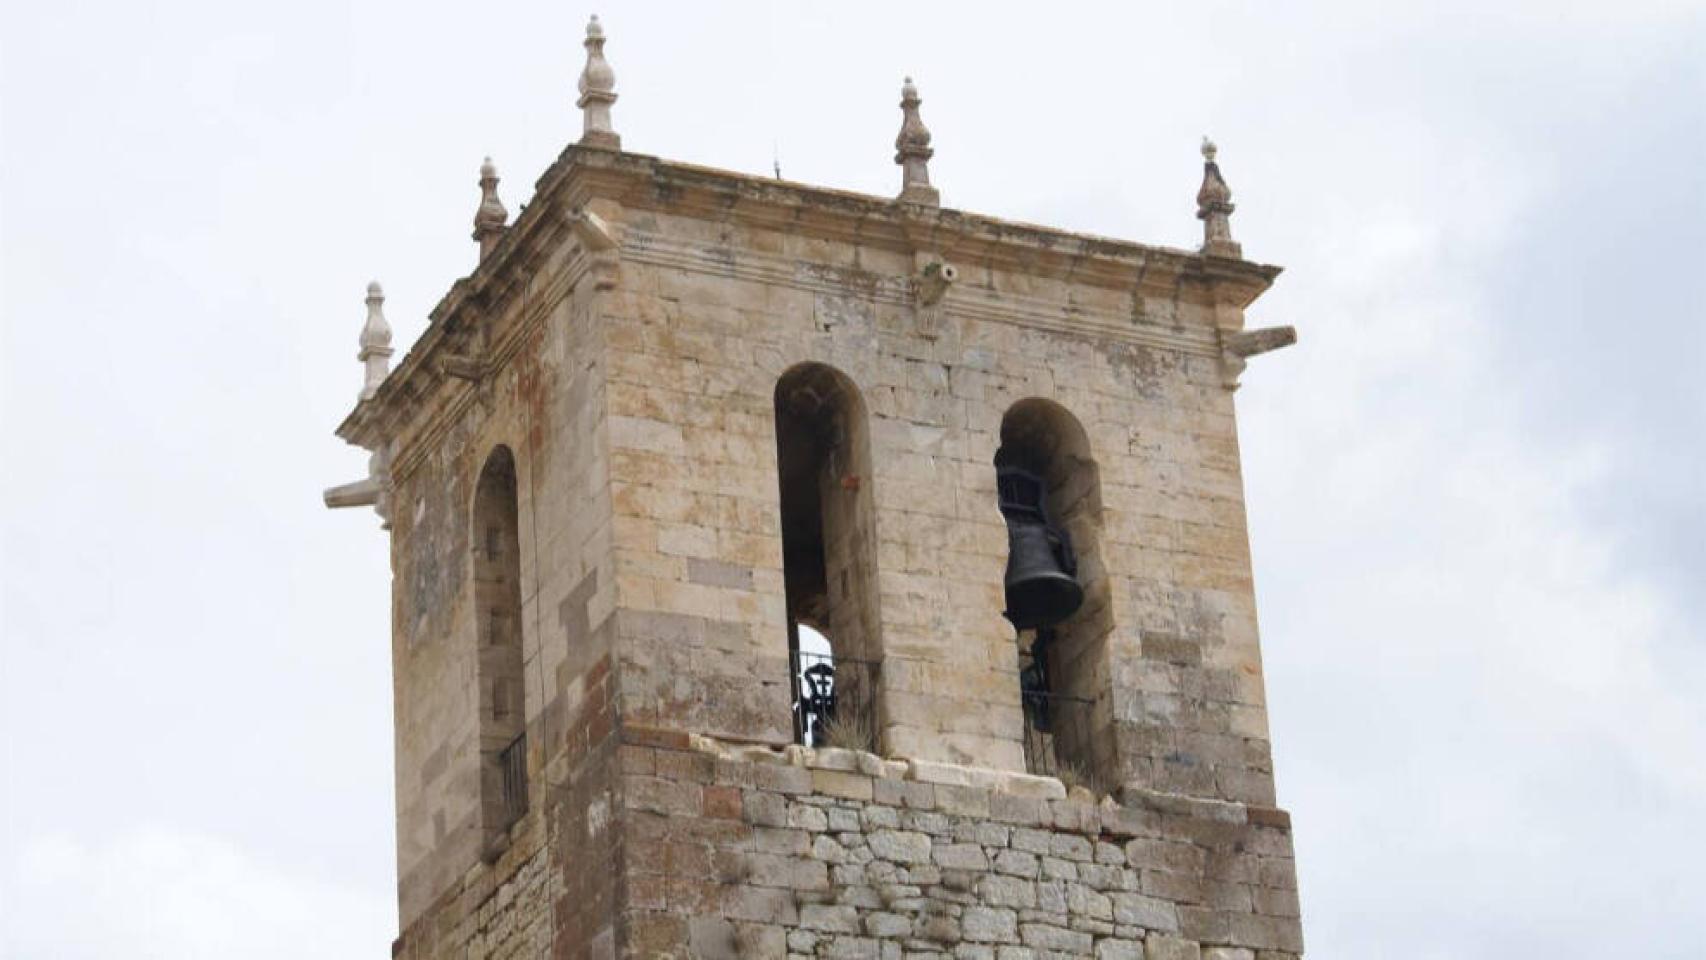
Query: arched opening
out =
(1057, 589)
(497, 609)
(823, 460)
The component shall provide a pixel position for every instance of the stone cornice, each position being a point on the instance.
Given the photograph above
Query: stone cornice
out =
(1042, 313)
(416, 389)
(879, 222)
(417, 398)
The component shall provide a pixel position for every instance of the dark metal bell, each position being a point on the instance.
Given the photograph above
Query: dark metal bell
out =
(1041, 589)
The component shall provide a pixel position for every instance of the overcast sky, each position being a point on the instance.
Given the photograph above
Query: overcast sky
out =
(1475, 485)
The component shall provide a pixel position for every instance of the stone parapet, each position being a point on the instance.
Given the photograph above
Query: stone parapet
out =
(753, 852)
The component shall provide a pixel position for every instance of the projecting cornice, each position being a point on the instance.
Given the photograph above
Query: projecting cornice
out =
(641, 182)
(511, 288)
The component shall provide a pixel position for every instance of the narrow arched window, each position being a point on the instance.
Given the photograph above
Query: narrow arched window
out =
(497, 608)
(828, 557)
(1050, 496)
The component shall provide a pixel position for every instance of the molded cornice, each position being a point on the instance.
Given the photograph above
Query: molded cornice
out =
(510, 289)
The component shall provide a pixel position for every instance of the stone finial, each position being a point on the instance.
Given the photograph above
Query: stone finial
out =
(598, 91)
(375, 342)
(490, 218)
(1214, 207)
(912, 150)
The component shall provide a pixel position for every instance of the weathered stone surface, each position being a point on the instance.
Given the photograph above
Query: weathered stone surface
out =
(961, 856)
(804, 817)
(900, 846)
(1146, 912)
(1004, 891)
(1171, 948)
(829, 918)
(989, 925)
(1109, 948)
(1047, 936)
(1017, 862)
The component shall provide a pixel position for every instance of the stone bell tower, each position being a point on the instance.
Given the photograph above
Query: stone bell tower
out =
(782, 572)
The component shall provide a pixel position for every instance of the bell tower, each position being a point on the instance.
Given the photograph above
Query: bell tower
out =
(781, 572)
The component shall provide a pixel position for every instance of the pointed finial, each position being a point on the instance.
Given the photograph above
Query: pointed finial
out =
(1214, 207)
(598, 92)
(912, 150)
(491, 216)
(375, 342)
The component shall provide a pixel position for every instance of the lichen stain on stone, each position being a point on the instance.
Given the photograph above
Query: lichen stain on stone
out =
(849, 314)
(597, 816)
(530, 394)
(439, 540)
(1138, 365)
(857, 282)
(667, 194)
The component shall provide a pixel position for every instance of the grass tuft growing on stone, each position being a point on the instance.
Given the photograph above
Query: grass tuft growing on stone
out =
(850, 731)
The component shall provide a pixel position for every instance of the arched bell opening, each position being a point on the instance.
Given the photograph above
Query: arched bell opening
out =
(497, 608)
(829, 544)
(1049, 489)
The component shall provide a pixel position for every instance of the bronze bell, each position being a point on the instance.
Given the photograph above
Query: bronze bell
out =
(1042, 582)
(1039, 590)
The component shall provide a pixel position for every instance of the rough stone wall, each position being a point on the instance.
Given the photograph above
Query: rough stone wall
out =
(785, 855)
(497, 913)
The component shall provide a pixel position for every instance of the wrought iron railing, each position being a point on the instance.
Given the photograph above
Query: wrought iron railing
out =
(512, 763)
(1054, 722)
(834, 700)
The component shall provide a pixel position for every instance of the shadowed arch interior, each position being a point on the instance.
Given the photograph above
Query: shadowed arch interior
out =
(497, 611)
(828, 538)
(1045, 438)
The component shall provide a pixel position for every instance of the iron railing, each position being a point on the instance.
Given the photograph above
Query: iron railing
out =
(1052, 721)
(834, 700)
(512, 763)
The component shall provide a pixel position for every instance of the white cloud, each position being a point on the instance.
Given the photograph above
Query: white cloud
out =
(165, 895)
(1475, 729)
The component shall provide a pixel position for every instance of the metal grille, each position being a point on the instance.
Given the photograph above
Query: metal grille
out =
(1047, 717)
(834, 700)
(512, 761)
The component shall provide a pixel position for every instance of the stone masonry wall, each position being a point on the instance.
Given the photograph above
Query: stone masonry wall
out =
(553, 891)
(709, 311)
(758, 854)
(705, 319)
(502, 913)
(544, 401)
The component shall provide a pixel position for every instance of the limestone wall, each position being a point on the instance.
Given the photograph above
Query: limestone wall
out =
(544, 402)
(769, 855)
(708, 314)
(500, 913)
